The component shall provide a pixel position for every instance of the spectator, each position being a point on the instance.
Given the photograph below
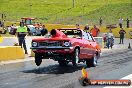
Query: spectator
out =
(9, 29)
(21, 32)
(110, 39)
(111, 42)
(122, 33)
(0, 23)
(94, 31)
(100, 21)
(127, 20)
(28, 29)
(32, 30)
(86, 28)
(110, 30)
(13, 26)
(13, 30)
(77, 26)
(44, 30)
(105, 38)
(40, 24)
(37, 25)
(38, 31)
(120, 22)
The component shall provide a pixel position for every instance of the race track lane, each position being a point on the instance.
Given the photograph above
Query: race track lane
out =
(111, 65)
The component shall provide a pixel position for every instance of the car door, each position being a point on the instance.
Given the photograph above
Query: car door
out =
(92, 43)
(87, 48)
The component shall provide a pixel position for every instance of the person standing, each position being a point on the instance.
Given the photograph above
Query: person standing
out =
(77, 26)
(105, 40)
(38, 31)
(127, 20)
(94, 31)
(110, 39)
(122, 33)
(0, 23)
(40, 24)
(44, 30)
(120, 22)
(28, 29)
(21, 32)
(9, 29)
(86, 28)
(111, 42)
(100, 21)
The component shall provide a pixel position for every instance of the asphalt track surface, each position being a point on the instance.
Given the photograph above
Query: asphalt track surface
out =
(113, 64)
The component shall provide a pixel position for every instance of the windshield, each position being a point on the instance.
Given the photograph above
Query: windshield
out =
(72, 33)
(28, 21)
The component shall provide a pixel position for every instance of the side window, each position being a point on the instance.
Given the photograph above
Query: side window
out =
(89, 37)
(85, 36)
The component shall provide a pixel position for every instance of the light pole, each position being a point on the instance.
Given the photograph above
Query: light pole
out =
(73, 3)
(30, 13)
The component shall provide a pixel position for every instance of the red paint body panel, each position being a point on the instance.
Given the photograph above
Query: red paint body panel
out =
(87, 48)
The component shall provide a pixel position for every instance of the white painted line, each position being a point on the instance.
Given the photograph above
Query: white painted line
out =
(129, 77)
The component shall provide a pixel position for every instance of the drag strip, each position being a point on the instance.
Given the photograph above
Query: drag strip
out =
(111, 65)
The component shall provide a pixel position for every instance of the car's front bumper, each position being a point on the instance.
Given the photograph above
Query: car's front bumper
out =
(50, 48)
(54, 52)
(54, 49)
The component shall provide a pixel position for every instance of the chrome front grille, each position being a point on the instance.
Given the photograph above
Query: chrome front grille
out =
(50, 43)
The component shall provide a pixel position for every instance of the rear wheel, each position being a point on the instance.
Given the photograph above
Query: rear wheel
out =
(38, 59)
(63, 62)
(75, 57)
(92, 62)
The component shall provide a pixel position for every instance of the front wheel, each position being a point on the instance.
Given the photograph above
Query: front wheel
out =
(75, 57)
(92, 62)
(38, 59)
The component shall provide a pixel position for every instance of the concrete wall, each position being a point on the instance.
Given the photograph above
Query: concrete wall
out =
(8, 43)
(11, 53)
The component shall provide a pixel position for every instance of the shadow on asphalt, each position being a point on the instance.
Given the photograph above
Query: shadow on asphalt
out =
(56, 69)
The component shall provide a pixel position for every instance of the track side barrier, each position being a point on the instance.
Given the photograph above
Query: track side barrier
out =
(8, 51)
(10, 41)
(115, 32)
(11, 53)
(99, 40)
(1, 39)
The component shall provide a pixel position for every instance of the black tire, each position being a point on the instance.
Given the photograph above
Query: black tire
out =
(75, 57)
(63, 63)
(92, 62)
(38, 59)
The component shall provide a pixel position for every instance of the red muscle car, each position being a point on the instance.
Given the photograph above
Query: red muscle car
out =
(67, 45)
